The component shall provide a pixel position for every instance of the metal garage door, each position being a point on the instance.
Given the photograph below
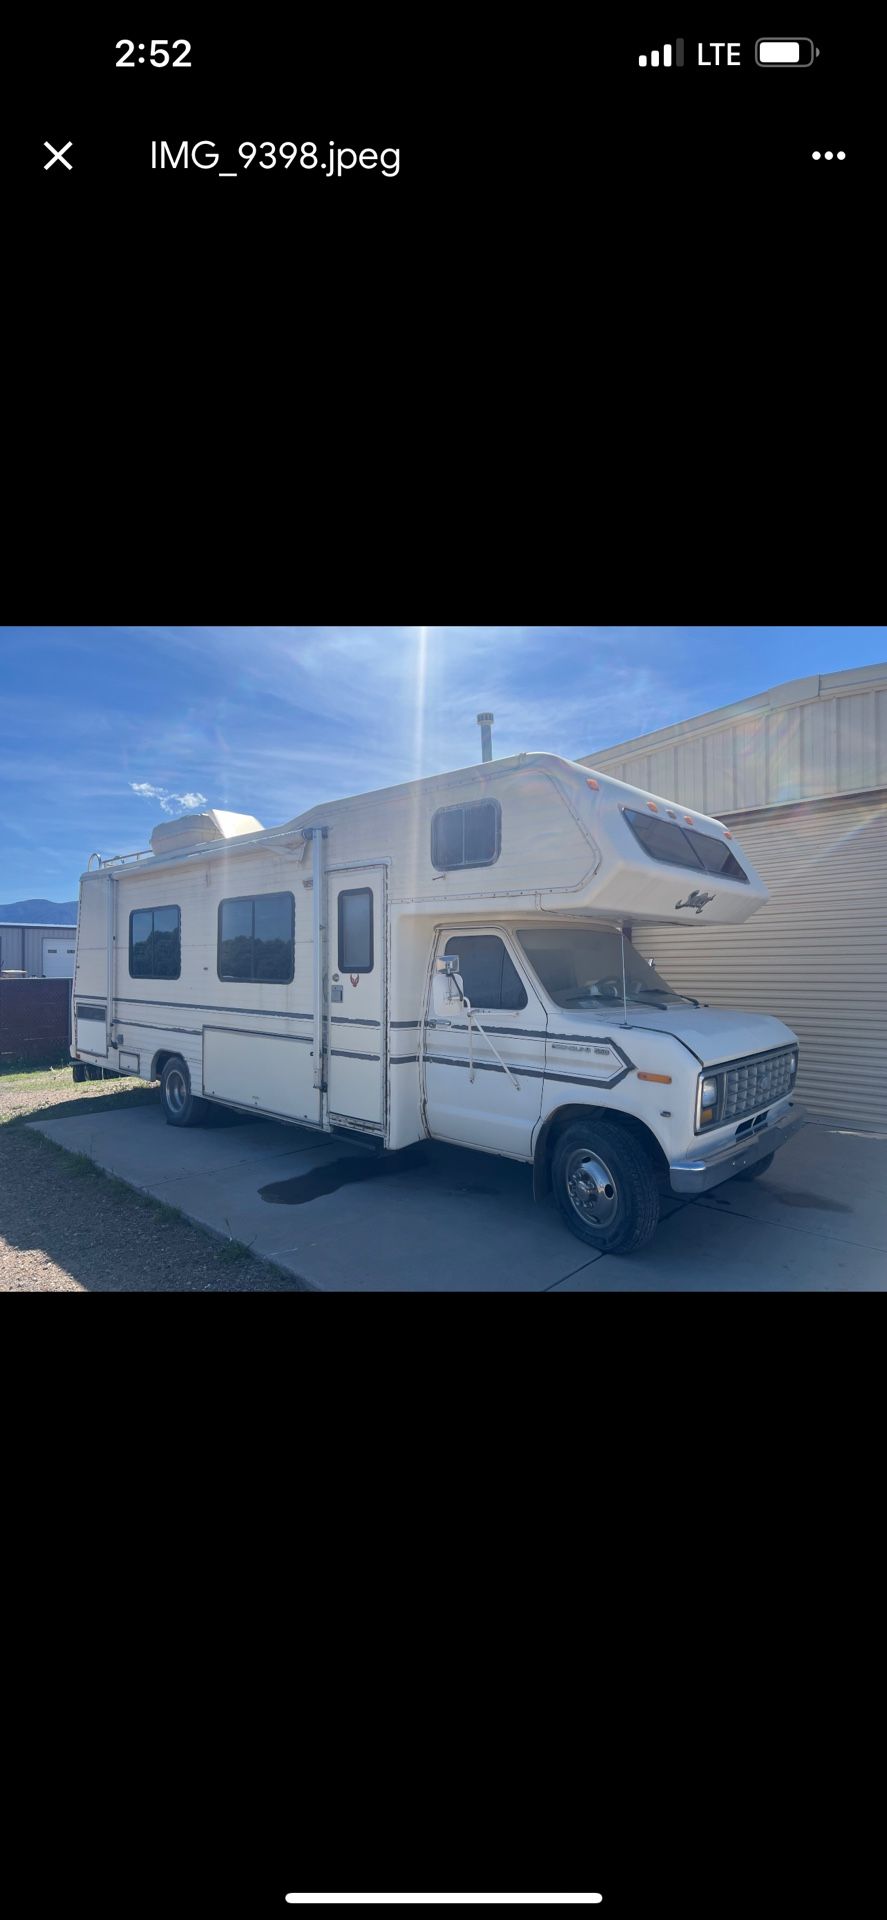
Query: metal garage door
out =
(58, 958)
(816, 955)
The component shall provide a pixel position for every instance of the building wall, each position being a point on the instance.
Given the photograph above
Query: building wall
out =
(22, 947)
(805, 740)
(800, 774)
(816, 955)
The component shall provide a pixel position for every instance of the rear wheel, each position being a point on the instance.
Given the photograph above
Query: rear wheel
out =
(605, 1187)
(760, 1166)
(181, 1107)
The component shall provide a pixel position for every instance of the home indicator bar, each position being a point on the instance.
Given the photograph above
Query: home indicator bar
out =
(445, 1899)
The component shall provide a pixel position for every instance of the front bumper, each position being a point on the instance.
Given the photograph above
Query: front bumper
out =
(702, 1171)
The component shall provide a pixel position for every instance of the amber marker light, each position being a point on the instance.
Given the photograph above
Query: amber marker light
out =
(662, 1079)
(652, 806)
(594, 784)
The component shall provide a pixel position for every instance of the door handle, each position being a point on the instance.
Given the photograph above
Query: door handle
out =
(439, 1023)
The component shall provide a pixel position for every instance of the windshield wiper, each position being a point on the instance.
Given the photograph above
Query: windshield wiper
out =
(637, 991)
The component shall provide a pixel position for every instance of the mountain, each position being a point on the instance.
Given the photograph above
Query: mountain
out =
(43, 913)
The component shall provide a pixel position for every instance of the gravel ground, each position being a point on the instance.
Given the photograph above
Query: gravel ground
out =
(66, 1227)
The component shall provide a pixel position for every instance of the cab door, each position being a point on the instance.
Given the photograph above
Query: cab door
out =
(356, 998)
(487, 1110)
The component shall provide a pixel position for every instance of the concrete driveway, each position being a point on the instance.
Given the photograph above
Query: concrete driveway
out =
(437, 1218)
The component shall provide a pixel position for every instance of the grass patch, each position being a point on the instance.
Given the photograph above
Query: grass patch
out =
(134, 1093)
(94, 1226)
(28, 1069)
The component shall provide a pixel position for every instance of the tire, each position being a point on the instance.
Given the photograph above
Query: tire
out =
(181, 1107)
(613, 1206)
(760, 1166)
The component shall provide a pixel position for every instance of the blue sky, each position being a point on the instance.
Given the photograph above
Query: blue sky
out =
(105, 730)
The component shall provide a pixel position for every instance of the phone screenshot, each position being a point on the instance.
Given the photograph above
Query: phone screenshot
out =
(538, 950)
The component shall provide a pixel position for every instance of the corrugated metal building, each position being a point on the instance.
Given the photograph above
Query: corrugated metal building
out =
(43, 953)
(801, 773)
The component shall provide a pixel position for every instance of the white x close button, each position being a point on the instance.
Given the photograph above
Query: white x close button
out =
(58, 153)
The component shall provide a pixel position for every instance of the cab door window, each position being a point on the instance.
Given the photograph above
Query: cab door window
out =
(489, 975)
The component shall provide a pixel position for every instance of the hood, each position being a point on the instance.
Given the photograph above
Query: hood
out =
(712, 1033)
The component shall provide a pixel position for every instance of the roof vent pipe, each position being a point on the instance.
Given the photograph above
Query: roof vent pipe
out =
(485, 721)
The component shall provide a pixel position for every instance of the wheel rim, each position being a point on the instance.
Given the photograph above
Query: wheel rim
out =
(176, 1091)
(592, 1189)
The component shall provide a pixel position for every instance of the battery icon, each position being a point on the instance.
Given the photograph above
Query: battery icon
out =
(785, 53)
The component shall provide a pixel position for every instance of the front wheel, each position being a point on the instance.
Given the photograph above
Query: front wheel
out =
(605, 1186)
(181, 1107)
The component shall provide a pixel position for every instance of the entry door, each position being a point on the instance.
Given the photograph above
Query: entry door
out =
(488, 1111)
(356, 996)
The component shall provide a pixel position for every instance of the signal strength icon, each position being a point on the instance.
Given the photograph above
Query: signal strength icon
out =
(666, 56)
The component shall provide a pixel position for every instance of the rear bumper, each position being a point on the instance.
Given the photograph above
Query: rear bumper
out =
(707, 1170)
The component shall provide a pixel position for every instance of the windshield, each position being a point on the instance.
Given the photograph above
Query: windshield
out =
(581, 966)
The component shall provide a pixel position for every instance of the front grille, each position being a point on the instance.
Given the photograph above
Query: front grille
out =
(753, 1083)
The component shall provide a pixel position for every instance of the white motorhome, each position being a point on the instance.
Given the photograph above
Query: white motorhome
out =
(450, 959)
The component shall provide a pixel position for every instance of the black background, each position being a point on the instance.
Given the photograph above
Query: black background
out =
(340, 1605)
(595, 299)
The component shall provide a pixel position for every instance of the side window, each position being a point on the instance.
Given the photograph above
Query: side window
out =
(466, 836)
(682, 846)
(661, 839)
(715, 856)
(356, 930)
(155, 943)
(489, 976)
(256, 937)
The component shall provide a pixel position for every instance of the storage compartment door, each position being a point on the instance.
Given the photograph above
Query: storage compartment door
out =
(356, 998)
(270, 1072)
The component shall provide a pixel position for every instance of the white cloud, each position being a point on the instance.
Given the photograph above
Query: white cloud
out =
(170, 802)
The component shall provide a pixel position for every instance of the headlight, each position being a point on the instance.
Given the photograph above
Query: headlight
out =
(707, 1100)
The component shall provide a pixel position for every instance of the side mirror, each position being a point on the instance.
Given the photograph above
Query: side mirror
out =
(448, 965)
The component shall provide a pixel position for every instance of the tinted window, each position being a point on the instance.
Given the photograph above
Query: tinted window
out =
(466, 836)
(356, 930)
(489, 976)
(155, 947)
(661, 839)
(715, 855)
(683, 846)
(141, 926)
(273, 936)
(256, 937)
